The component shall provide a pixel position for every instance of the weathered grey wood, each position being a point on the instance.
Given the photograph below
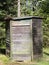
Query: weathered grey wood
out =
(37, 38)
(8, 38)
(21, 40)
(14, 28)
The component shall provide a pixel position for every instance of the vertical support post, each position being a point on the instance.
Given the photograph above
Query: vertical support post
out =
(18, 8)
(8, 38)
(37, 38)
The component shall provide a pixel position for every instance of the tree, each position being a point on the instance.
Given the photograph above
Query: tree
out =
(43, 10)
(27, 8)
(7, 8)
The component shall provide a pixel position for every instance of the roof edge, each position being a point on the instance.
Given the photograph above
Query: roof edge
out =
(27, 17)
(20, 18)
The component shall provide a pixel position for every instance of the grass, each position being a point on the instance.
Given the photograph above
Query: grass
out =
(4, 59)
(43, 61)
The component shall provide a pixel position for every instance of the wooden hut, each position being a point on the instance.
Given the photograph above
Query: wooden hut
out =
(24, 38)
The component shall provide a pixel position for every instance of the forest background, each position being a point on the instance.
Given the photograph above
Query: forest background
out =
(9, 8)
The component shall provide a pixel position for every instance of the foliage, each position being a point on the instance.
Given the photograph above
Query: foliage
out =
(4, 59)
(2, 35)
(42, 9)
(38, 8)
(46, 32)
(28, 8)
(7, 7)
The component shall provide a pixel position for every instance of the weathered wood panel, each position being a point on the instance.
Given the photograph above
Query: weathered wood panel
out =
(21, 40)
(24, 38)
(8, 38)
(37, 38)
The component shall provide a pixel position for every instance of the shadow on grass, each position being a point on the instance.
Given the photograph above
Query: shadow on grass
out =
(46, 53)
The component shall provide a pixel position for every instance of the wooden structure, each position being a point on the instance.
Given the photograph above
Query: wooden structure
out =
(24, 38)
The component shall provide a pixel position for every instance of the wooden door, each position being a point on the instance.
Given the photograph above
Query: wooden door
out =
(21, 40)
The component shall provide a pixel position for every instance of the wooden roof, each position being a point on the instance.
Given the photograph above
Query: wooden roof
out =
(20, 18)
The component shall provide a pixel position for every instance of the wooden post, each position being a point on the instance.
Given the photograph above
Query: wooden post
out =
(18, 8)
(8, 38)
(37, 38)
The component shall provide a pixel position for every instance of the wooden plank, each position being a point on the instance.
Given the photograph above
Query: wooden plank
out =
(8, 38)
(21, 39)
(37, 38)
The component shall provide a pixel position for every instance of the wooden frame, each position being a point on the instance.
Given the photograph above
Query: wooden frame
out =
(36, 33)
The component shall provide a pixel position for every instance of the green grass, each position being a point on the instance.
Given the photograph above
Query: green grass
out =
(46, 50)
(45, 59)
(43, 63)
(4, 59)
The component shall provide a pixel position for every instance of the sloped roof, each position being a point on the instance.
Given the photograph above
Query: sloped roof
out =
(20, 18)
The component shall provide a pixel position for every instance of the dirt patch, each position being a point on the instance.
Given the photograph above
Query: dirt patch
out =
(1, 63)
(22, 63)
(14, 63)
